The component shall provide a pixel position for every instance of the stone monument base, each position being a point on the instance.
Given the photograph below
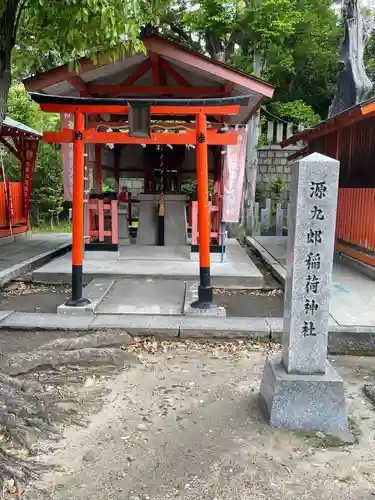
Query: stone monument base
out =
(305, 402)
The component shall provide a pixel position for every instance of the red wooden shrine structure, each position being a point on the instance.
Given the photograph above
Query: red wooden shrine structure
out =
(200, 137)
(22, 142)
(188, 95)
(350, 138)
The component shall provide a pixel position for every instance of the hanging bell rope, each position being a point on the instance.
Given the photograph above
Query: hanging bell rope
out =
(162, 181)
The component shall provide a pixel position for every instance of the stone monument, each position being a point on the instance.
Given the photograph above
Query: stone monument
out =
(303, 391)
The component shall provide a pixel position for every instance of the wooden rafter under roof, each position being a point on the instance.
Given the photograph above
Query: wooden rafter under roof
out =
(167, 70)
(10, 126)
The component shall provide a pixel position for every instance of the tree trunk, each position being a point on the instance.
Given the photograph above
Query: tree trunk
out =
(251, 171)
(215, 47)
(252, 154)
(353, 86)
(7, 39)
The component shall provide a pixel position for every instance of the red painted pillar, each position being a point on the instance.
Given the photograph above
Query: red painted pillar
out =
(204, 224)
(78, 211)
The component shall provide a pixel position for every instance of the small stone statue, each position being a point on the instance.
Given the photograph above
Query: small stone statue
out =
(354, 86)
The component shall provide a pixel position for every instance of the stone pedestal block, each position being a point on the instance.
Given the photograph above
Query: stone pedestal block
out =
(123, 227)
(305, 402)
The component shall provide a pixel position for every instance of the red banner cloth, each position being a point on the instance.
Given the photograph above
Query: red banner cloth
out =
(67, 121)
(234, 172)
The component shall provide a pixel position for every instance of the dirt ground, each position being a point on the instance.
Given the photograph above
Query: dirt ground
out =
(33, 297)
(185, 423)
(251, 303)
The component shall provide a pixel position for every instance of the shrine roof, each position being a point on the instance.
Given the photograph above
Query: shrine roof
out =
(10, 124)
(346, 118)
(124, 101)
(166, 69)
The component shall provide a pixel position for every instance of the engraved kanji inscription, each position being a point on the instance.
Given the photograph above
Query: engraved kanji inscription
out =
(312, 284)
(318, 190)
(308, 329)
(311, 306)
(315, 236)
(313, 261)
(317, 213)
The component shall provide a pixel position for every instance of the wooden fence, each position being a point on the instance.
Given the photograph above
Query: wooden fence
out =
(16, 194)
(355, 217)
(18, 223)
(277, 131)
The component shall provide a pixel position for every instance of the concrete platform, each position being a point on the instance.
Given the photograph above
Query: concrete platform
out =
(353, 293)
(24, 253)
(148, 252)
(158, 263)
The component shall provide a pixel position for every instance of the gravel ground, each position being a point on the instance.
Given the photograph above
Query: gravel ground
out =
(185, 423)
(33, 297)
(251, 303)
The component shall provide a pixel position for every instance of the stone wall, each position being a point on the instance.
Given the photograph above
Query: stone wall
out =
(135, 186)
(272, 166)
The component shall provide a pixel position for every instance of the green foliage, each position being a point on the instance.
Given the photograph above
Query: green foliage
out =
(48, 180)
(277, 190)
(108, 186)
(259, 192)
(370, 59)
(54, 31)
(188, 187)
(262, 140)
(297, 41)
(297, 112)
(63, 226)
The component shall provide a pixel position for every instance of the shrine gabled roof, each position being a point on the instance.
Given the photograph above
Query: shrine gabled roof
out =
(9, 123)
(185, 71)
(348, 117)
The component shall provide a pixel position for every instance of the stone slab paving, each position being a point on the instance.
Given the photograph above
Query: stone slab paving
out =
(353, 293)
(341, 339)
(26, 253)
(191, 296)
(45, 321)
(95, 293)
(155, 326)
(146, 296)
(224, 328)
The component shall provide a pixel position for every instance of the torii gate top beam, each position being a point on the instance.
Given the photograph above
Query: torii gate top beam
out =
(211, 106)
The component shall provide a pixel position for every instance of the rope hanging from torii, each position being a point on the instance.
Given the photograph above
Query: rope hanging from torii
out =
(161, 212)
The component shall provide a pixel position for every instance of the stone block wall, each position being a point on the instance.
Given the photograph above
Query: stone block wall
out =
(135, 186)
(272, 166)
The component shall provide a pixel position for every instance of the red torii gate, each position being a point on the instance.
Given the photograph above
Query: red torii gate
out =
(201, 137)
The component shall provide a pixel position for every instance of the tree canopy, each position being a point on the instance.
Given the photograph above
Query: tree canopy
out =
(293, 43)
(40, 30)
